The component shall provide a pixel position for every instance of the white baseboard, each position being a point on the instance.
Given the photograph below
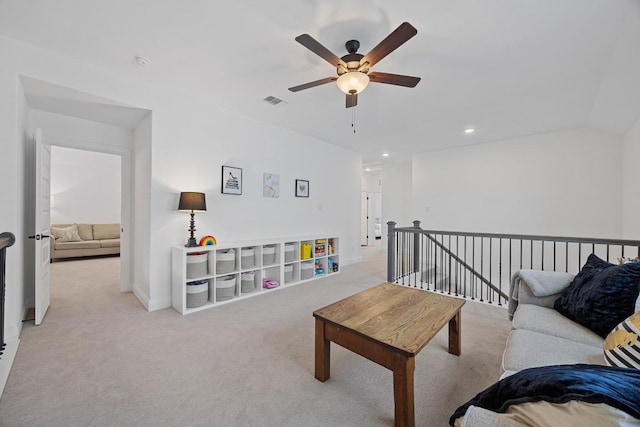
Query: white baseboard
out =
(6, 362)
(141, 297)
(151, 305)
(159, 304)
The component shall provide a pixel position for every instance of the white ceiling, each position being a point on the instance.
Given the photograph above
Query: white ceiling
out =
(507, 68)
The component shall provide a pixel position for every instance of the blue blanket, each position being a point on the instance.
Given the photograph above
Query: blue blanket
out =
(614, 386)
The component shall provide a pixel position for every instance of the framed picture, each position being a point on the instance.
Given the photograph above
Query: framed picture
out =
(302, 188)
(231, 180)
(271, 185)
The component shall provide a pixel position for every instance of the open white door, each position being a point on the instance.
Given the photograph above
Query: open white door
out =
(42, 224)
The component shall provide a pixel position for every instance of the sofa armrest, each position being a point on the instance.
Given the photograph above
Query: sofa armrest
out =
(537, 287)
(526, 296)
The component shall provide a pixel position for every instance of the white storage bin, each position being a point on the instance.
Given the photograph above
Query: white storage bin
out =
(306, 270)
(225, 261)
(288, 273)
(289, 252)
(269, 255)
(196, 265)
(248, 258)
(197, 293)
(248, 282)
(225, 287)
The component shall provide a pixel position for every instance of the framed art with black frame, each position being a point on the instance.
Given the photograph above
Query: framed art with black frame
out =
(231, 180)
(302, 188)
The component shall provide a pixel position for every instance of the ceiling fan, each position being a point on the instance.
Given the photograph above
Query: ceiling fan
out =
(353, 74)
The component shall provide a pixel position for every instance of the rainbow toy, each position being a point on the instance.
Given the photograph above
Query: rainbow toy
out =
(207, 241)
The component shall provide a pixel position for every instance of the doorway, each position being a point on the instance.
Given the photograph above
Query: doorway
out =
(371, 209)
(86, 190)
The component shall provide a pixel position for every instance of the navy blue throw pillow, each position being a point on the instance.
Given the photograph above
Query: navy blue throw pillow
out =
(601, 295)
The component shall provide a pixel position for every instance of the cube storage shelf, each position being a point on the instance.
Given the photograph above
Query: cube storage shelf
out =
(207, 276)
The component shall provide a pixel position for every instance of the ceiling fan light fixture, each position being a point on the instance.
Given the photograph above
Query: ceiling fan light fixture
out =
(353, 82)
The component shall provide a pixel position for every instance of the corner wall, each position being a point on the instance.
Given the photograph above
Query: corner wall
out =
(85, 187)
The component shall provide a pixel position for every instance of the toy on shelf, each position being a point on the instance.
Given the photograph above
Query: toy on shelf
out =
(207, 241)
(269, 283)
(305, 250)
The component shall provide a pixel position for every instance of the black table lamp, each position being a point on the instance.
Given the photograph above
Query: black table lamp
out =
(191, 202)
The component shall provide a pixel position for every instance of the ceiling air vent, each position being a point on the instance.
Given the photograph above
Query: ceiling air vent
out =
(273, 100)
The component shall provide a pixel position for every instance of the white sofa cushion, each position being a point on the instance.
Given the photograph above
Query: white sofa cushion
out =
(528, 349)
(548, 321)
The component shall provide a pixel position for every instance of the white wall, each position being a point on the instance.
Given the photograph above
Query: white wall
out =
(396, 200)
(630, 184)
(372, 182)
(333, 207)
(191, 140)
(85, 187)
(564, 183)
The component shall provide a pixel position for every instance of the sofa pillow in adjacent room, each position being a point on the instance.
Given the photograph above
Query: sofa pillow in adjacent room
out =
(622, 345)
(66, 234)
(601, 295)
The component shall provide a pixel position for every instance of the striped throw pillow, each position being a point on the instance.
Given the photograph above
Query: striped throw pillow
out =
(622, 345)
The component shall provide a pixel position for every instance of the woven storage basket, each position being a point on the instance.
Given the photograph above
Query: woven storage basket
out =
(289, 252)
(269, 255)
(197, 293)
(248, 282)
(288, 273)
(225, 261)
(306, 270)
(225, 288)
(248, 258)
(196, 265)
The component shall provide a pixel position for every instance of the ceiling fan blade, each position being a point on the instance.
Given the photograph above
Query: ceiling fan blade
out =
(393, 79)
(393, 41)
(352, 100)
(314, 46)
(313, 84)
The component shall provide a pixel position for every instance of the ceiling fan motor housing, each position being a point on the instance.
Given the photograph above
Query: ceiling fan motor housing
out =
(352, 59)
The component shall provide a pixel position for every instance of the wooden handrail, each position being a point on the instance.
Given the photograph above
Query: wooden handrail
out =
(6, 239)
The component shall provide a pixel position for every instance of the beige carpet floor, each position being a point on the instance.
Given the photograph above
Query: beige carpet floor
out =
(99, 359)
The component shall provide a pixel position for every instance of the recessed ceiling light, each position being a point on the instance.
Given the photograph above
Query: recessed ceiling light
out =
(367, 169)
(385, 154)
(469, 130)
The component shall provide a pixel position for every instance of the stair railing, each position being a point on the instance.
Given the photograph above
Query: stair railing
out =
(479, 266)
(6, 239)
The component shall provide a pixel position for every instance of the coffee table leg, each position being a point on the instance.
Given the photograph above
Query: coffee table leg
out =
(403, 369)
(455, 335)
(323, 353)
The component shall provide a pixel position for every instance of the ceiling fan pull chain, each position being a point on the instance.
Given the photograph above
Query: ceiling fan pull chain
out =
(353, 120)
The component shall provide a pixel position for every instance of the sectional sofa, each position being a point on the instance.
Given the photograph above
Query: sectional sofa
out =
(559, 353)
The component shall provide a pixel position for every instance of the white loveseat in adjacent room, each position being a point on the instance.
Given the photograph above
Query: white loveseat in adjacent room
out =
(82, 240)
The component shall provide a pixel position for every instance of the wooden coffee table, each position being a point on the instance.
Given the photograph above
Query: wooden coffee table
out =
(389, 325)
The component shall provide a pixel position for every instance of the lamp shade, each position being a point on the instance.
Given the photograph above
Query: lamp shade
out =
(190, 201)
(353, 82)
